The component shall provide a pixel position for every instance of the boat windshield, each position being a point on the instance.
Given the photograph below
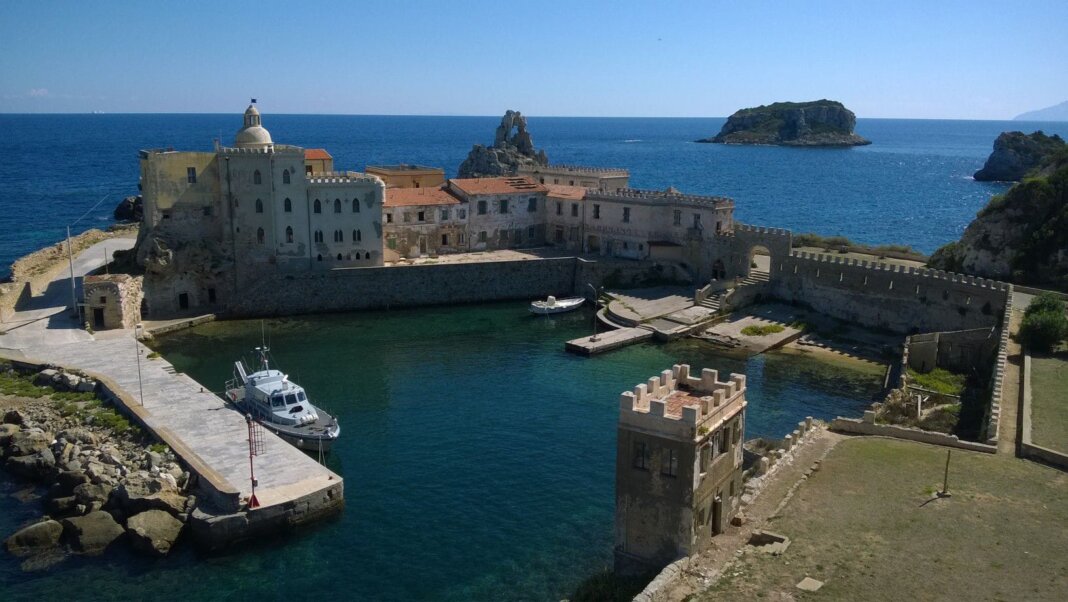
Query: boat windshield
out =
(300, 395)
(277, 401)
(291, 399)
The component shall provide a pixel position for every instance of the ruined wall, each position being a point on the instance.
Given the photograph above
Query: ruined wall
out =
(961, 351)
(890, 297)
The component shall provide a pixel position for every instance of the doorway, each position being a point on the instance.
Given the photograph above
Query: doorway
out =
(717, 515)
(183, 301)
(98, 318)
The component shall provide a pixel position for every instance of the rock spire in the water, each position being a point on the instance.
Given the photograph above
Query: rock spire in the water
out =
(509, 151)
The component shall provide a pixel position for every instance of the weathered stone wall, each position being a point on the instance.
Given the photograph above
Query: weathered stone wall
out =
(406, 286)
(885, 296)
(958, 351)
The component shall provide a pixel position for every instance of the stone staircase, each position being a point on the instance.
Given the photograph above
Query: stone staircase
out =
(715, 301)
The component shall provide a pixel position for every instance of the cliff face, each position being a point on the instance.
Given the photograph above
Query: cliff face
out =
(508, 152)
(1015, 154)
(817, 123)
(1021, 236)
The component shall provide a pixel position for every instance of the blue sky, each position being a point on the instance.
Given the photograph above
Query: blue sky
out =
(965, 60)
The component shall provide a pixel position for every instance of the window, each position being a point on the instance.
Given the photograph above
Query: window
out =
(318, 207)
(626, 215)
(559, 208)
(289, 233)
(337, 205)
(259, 206)
(570, 182)
(421, 216)
(259, 235)
(677, 220)
(461, 213)
(366, 255)
(574, 209)
(669, 463)
(444, 240)
(556, 180)
(407, 217)
(339, 236)
(482, 207)
(103, 300)
(389, 218)
(339, 256)
(559, 235)
(287, 206)
(355, 205)
(504, 205)
(285, 176)
(596, 212)
(482, 236)
(461, 238)
(319, 237)
(719, 226)
(697, 220)
(444, 214)
(532, 204)
(391, 243)
(723, 441)
(256, 178)
(705, 457)
(357, 236)
(191, 175)
(642, 455)
(532, 232)
(503, 234)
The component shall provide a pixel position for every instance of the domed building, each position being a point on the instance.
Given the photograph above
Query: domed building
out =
(217, 222)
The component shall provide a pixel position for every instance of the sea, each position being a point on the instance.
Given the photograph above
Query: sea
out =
(478, 456)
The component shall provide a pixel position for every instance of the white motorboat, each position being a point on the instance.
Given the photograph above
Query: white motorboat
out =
(281, 406)
(552, 305)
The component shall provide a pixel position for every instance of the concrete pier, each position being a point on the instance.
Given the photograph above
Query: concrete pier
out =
(607, 341)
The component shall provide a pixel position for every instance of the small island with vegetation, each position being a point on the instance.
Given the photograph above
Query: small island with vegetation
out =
(1016, 153)
(814, 123)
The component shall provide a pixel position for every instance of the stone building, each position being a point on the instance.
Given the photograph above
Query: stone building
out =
(408, 176)
(423, 221)
(502, 213)
(602, 178)
(566, 216)
(214, 220)
(678, 465)
(112, 301)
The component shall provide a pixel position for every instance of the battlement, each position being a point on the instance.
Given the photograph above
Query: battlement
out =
(746, 228)
(576, 169)
(885, 268)
(660, 197)
(676, 396)
(342, 177)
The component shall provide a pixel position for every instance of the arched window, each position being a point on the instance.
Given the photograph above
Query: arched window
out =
(259, 206)
(259, 235)
(285, 176)
(355, 205)
(289, 233)
(339, 256)
(337, 205)
(339, 236)
(318, 206)
(256, 179)
(357, 236)
(320, 257)
(318, 236)
(288, 206)
(367, 255)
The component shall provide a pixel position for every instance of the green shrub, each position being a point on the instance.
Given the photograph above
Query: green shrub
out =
(1041, 331)
(938, 380)
(1045, 302)
(112, 420)
(759, 331)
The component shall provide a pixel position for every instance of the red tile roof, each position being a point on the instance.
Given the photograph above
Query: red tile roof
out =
(315, 154)
(410, 197)
(502, 185)
(568, 193)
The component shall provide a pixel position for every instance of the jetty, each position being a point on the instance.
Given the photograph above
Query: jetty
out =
(209, 436)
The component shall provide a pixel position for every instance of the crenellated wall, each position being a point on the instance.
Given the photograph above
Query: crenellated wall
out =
(892, 297)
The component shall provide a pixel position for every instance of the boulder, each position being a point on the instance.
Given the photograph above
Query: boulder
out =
(90, 493)
(129, 209)
(79, 435)
(67, 381)
(93, 533)
(137, 496)
(45, 377)
(153, 531)
(37, 467)
(14, 417)
(62, 506)
(25, 443)
(86, 386)
(35, 539)
(67, 480)
(7, 432)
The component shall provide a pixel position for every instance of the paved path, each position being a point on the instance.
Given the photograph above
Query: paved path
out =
(213, 434)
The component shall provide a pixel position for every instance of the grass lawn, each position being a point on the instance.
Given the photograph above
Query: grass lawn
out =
(1049, 401)
(860, 526)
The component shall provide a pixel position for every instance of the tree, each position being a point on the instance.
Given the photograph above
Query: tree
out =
(1044, 324)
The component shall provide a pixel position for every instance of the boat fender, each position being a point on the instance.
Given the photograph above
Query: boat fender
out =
(233, 396)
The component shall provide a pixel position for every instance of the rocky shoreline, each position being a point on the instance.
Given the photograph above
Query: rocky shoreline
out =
(104, 483)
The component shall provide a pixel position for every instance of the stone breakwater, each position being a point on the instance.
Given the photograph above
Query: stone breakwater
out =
(103, 487)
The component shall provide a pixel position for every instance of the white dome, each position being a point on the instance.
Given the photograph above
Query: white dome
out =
(253, 135)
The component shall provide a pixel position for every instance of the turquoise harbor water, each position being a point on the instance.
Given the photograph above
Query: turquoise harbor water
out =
(912, 185)
(478, 456)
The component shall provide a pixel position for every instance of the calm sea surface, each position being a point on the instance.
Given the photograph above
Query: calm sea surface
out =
(478, 456)
(912, 185)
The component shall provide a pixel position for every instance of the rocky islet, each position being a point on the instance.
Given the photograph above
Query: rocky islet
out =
(815, 123)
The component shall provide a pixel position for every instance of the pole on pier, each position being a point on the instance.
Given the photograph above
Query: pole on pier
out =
(70, 260)
(593, 339)
(255, 448)
(945, 479)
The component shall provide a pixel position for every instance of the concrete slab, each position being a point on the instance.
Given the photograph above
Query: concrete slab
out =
(607, 341)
